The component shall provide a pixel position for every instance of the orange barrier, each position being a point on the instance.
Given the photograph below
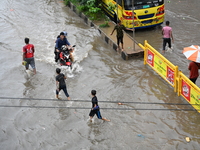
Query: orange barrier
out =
(169, 72)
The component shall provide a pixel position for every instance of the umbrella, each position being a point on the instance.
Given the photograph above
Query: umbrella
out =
(192, 53)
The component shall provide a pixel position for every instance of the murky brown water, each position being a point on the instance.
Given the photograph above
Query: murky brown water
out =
(98, 68)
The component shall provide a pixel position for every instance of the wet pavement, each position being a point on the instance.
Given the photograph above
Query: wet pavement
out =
(130, 46)
(98, 67)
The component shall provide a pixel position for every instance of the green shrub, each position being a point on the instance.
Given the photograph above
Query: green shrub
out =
(82, 8)
(91, 8)
(104, 25)
(66, 2)
(112, 6)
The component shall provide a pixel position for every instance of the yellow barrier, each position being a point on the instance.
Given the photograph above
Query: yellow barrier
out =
(161, 65)
(169, 72)
(189, 91)
(140, 45)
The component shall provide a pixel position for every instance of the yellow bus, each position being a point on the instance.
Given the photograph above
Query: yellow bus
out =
(147, 13)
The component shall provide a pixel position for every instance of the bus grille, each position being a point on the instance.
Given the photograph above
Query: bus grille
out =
(146, 16)
(147, 21)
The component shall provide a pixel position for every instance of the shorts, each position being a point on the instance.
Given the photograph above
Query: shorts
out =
(120, 40)
(30, 61)
(97, 112)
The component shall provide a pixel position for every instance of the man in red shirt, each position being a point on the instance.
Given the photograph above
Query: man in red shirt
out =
(28, 55)
(194, 72)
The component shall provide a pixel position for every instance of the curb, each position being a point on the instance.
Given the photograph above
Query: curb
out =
(104, 37)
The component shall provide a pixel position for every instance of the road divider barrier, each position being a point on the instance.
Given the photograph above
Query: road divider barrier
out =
(170, 73)
(189, 91)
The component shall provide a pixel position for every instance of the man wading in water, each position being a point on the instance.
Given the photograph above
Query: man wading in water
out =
(60, 84)
(28, 55)
(95, 107)
(167, 36)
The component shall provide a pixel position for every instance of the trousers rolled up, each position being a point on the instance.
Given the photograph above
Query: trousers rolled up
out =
(64, 88)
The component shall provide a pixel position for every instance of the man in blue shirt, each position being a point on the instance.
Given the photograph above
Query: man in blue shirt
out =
(62, 40)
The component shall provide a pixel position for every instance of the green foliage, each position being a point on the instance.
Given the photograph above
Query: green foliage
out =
(82, 8)
(104, 25)
(91, 3)
(66, 2)
(92, 8)
(112, 6)
(82, 2)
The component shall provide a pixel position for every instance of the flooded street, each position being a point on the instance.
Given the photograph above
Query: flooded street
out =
(185, 24)
(41, 126)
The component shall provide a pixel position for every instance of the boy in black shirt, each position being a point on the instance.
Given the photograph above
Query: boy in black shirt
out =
(60, 83)
(95, 107)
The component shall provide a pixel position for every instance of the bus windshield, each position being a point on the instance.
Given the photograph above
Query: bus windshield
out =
(141, 4)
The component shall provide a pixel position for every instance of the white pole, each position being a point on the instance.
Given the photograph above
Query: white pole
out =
(133, 25)
(117, 12)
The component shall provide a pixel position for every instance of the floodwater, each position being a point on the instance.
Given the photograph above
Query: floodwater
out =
(98, 67)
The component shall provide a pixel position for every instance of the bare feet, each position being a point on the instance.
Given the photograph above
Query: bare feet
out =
(118, 48)
(105, 119)
(68, 98)
(34, 70)
(58, 97)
